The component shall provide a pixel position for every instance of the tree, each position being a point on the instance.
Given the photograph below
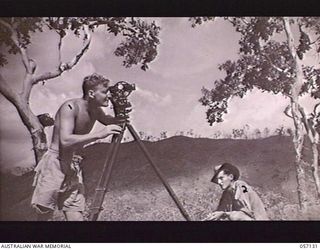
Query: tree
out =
(190, 132)
(163, 135)
(266, 132)
(257, 133)
(280, 131)
(289, 132)
(142, 135)
(217, 135)
(238, 133)
(272, 59)
(241, 133)
(138, 47)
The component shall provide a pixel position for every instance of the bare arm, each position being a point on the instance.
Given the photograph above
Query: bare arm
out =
(67, 125)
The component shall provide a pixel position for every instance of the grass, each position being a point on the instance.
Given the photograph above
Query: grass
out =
(136, 193)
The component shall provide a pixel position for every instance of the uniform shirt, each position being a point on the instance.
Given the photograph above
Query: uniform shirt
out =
(241, 197)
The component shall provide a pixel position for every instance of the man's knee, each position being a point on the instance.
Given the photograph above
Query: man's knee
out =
(43, 213)
(73, 216)
(238, 215)
(41, 210)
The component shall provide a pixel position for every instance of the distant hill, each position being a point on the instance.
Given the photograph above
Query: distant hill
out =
(135, 192)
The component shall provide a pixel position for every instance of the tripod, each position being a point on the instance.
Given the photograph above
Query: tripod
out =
(108, 165)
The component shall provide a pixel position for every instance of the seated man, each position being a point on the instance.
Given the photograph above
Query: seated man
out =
(239, 201)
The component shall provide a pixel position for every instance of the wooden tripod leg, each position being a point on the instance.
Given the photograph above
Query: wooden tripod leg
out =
(103, 183)
(157, 170)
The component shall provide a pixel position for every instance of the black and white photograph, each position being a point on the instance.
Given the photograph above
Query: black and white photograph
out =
(159, 119)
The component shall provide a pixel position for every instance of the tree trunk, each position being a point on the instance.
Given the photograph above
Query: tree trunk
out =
(298, 141)
(29, 119)
(315, 167)
(314, 139)
(298, 138)
(39, 142)
(34, 127)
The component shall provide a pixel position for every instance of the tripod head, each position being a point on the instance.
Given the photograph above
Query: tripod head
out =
(119, 98)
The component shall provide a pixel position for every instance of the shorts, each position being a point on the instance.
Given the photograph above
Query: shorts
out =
(54, 189)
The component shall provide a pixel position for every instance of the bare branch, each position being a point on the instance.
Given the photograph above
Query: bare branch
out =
(27, 86)
(296, 88)
(48, 75)
(315, 108)
(304, 119)
(301, 30)
(67, 66)
(100, 22)
(231, 21)
(286, 22)
(311, 43)
(244, 21)
(76, 59)
(50, 27)
(59, 49)
(286, 112)
(23, 52)
(6, 24)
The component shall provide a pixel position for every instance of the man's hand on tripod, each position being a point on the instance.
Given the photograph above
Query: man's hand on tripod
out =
(109, 130)
(119, 120)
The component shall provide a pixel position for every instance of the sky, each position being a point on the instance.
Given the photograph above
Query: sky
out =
(167, 94)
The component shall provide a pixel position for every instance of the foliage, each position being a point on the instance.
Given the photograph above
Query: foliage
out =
(266, 132)
(25, 26)
(280, 131)
(257, 133)
(200, 20)
(265, 62)
(163, 135)
(139, 46)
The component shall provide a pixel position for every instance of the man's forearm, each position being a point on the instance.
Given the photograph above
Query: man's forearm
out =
(74, 139)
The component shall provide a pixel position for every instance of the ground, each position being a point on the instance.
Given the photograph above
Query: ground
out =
(136, 194)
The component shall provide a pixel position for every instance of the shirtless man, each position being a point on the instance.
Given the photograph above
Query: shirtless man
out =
(58, 180)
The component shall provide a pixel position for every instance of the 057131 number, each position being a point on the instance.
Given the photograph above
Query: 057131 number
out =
(309, 245)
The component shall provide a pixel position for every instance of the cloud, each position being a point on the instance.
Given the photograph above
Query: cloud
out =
(48, 98)
(44, 101)
(153, 98)
(257, 109)
(16, 154)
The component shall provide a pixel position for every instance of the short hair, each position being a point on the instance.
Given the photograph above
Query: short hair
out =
(92, 81)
